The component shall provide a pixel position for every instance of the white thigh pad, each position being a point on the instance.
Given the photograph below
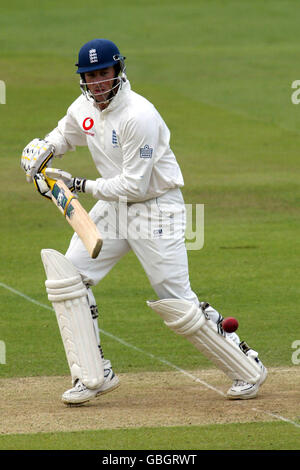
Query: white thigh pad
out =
(187, 319)
(68, 295)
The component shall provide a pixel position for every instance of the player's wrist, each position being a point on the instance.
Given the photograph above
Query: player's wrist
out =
(90, 186)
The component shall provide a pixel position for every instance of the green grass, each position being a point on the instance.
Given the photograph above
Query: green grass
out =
(244, 436)
(220, 73)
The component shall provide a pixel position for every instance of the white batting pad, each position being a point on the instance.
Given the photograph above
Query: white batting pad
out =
(186, 319)
(68, 295)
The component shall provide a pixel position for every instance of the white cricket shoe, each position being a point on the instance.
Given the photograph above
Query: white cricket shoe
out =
(80, 393)
(241, 390)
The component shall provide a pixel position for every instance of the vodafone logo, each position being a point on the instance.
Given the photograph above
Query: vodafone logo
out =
(88, 124)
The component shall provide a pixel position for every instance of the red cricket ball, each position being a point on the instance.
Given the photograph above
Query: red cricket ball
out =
(230, 324)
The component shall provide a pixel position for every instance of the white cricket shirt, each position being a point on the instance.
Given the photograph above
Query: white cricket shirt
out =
(129, 143)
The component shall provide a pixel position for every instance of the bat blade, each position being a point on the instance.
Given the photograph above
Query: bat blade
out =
(77, 217)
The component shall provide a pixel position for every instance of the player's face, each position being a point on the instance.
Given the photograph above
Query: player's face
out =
(100, 82)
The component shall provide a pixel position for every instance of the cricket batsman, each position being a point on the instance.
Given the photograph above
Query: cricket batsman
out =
(139, 207)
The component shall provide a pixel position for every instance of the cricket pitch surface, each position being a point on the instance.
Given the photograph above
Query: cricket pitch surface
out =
(149, 399)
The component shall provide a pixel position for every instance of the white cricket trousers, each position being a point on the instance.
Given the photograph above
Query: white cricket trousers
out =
(154, 230)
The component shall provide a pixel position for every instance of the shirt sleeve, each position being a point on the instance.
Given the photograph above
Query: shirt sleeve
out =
(139, 141)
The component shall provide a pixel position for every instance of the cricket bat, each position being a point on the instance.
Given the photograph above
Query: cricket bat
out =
(77, 217)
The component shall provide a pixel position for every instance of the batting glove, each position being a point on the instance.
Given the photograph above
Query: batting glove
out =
(54, 174)
(40, 182)
(74, 184)
(35, 157)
